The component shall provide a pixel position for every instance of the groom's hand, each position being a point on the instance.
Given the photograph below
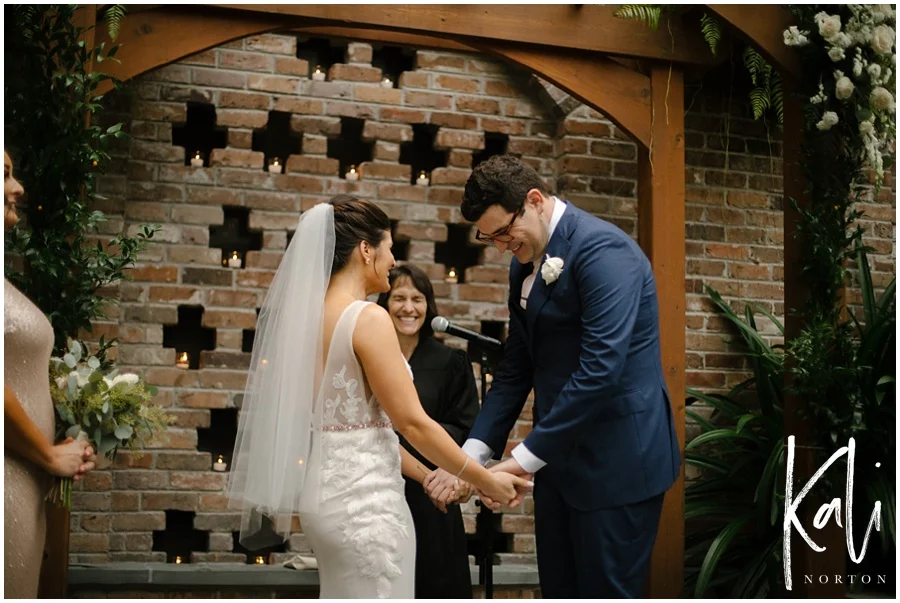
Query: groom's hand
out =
(440, 486)
(510, 465)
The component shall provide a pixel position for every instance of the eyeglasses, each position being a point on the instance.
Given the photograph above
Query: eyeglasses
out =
(502, 236)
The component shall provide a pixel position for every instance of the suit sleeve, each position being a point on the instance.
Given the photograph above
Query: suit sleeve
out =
(461, 398)
(512, 383)
(609, 279)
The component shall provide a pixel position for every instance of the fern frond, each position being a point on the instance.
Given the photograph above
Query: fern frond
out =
(755, 64)
(648, 14)
(759, 102)
(712, 32)
(777, 97)
(114, 16)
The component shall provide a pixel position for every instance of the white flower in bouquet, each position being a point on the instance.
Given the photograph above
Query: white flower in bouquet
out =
(828, 120)
(882, 100)
(842, 40)
(836, 54)
(874, 71)
(883, 39)
(866, 127)
(829, 26)
(880, 12)
(794, 37)
(843, 88)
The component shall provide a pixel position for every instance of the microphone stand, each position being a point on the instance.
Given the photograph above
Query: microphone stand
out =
(484, 522)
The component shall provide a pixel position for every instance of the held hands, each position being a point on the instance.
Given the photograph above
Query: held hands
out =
(443, 488)
(71, 458)
(509, 467)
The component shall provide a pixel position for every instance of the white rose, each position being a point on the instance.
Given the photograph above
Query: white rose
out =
(874, 71)
(866, 127)
(794, 37)
(843, 40)
(843, 89)
(551, 269)
(885, 10)
(126, 378)
(830, 26)
(61, 382)
(882, 100)
(883, 39)
(80, 379)
(828, 120)
(836, 54)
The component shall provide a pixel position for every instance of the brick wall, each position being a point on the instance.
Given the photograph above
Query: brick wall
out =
(733, 229)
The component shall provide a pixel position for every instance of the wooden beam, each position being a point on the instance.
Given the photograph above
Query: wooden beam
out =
(382, 36)
(618, 92)
(662, 237)
(762, 25)
(581, 27)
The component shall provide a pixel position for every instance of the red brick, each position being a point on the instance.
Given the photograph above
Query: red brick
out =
(450, 176)
(169, 74)
(354, 73)
(385, 171)
(483, 293)
(153, 192)
(402, 192)
(459, 121)
(231, 298)
(143, 150)
(223, 359)
(477, 104)
(137, 480)
(348, 109)
(587, 128)
(414, 79)
(137, 210)
(486, 274)
(222, 277)
(439, 62)
(90, 501)
(193, 399)
(728, 252)
(375, 93)
(459, 140)
(207, 57)
(386, 151)
(705, 267)
(315, 125)
(174, 439)
(235, 380)
(428, 232)
(530, 146)
(185, 461)
(449, 196)
(299, 105)
(229, 318)
(170, 376)
(171, 112)
(415, 98)
(292, 67)
(574, 164)
(458, 84)
(162, 501)
(503, 125)
(198, 214)
(83, 541)
(244, 178)
(240, 118)
(373, 130)
(747, 199)
(128, 459)
(156, 274)
(278, 84)
(213, 502)
(615, 150)
(312, 165)
(244, 61)
(272, 43)
(260, 279)
(136, 522)
(358, 52)
(218, 78)
(197, 481)
(244, 100)
(460, 158)
(214, 196)
(705, 380)
(397, 114)
(258, 259)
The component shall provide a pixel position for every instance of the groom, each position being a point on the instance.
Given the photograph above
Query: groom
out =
(584, 334)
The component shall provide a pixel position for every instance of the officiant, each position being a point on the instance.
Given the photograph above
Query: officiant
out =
(445, 384)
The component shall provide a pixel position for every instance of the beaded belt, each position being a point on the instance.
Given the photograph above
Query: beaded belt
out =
(355, 426)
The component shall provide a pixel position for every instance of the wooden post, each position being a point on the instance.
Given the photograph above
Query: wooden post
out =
(661, 233)
(804, 561)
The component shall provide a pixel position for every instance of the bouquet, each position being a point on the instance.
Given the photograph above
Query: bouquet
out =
(96, 404)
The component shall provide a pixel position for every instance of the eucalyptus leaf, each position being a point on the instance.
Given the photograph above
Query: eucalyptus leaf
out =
(108, 444)
(123, 432)
(94, 363)
(75, 349)
(73, 431)
(70, 361)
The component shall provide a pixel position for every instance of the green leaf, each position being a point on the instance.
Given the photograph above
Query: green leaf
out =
(712, 32)
(70, 361)
(648, 14)
(73, 431)
(123, 432)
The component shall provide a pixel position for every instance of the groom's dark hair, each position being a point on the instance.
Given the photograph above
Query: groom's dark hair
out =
(355, 220)
(501, 180)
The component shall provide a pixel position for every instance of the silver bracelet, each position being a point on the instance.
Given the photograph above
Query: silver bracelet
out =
(466, 464)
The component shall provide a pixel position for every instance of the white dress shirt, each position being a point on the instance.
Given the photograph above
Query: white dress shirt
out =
(477, 449)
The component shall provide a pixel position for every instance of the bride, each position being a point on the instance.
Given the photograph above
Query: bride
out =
(328, 387)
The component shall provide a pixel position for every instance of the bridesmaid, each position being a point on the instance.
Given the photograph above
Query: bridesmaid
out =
(446, 386)
(30, 459)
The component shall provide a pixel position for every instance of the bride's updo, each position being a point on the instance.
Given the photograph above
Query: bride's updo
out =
(355, 220)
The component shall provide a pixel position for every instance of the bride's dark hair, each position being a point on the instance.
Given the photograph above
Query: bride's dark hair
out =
(355, 220)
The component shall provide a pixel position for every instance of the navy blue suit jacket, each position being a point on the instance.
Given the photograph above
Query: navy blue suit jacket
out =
(588, 345)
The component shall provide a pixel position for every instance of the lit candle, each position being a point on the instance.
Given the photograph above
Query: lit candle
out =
(235, 260)
(276, 167)
(178, 559)
(451, 276)
(183, 361)
(260, 560)
(352, 174)
(299, 461)
(318, 74)
(220, 465)
(423, 179)
(197, 160)
(387, 83)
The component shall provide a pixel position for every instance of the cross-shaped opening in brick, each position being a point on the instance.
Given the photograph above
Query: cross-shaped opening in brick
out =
(199, 133)
(458, 252)
(218, 439)
(401, 245)
(495, 143)
(393, 60)
(420, 152)
(248, 336)
(320, 52)
(276, 141)
(189, 335)
(502, 543)
(494, 329)
(180, 539)
(234, 235)
(348, 147)
(265, 535)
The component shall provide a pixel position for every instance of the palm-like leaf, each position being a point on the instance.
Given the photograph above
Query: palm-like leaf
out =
(712, 32)
(648, 14)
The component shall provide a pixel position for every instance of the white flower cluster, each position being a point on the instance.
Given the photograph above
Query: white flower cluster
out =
(866, 45)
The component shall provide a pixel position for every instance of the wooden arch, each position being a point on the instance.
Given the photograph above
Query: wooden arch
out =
(582, 49)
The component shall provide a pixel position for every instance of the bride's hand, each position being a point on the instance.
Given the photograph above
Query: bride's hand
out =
(505, 488)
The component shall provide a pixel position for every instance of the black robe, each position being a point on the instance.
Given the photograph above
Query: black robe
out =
(446, 386)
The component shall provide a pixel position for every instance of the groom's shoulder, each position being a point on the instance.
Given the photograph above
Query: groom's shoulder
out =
(590, 227)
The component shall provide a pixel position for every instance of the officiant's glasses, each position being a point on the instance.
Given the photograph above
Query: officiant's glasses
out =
(502, 235)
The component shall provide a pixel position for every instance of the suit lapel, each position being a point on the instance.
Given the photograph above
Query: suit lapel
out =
(518, 273)
(558, 247)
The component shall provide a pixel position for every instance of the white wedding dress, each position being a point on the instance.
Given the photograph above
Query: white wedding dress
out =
(362, 535)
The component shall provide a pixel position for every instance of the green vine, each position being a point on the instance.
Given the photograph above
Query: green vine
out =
(50, 95)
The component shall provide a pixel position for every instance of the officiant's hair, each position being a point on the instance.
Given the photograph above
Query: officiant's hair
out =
(355, 220)
(422, 283)
(500, 180)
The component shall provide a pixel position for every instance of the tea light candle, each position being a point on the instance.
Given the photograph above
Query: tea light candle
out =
(276, 167)
(220, 465)
(234, 261)
(451, 276)
(423, 179)
(260, 560)
(352, 174)
(318, 74)
(177, 559)
(197, 160)
(183, 361)
(387, 83)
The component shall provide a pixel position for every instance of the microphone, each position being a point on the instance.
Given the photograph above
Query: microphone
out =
(442, 325)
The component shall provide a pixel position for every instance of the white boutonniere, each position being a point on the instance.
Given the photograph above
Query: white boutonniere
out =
(551, 269)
